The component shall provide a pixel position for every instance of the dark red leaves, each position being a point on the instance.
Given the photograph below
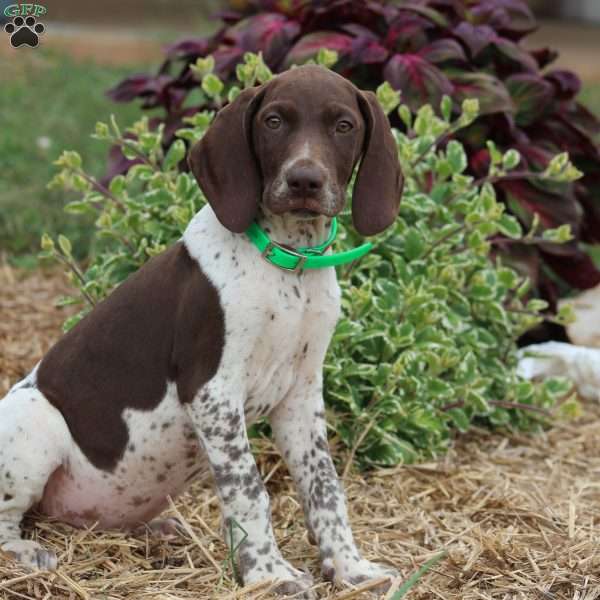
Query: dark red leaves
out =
(531, 96)
(308, 46)
(140, 86)
(553, 209)
(492, 94)
(474, 37)
(511, 18)
(566, 83)
(189, 47)
(425, 48)
(443, 51)
(419, 81)
(268, 33)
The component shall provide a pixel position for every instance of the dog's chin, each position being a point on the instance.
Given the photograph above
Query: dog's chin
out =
(304, 210)
(305, 214)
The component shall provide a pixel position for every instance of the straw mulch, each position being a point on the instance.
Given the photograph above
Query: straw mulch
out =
(519, 515)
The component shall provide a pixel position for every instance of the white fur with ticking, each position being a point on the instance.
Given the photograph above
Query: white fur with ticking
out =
(278, 325)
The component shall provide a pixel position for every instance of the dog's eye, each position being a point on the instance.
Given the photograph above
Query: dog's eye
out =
(344, 127)
(273, 122)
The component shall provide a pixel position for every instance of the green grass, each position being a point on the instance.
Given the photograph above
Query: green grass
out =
(49, 103)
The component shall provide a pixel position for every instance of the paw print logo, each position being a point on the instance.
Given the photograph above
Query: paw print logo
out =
(24, 32)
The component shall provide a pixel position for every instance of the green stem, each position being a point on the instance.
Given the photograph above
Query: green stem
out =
(75, 270)
(444, 238)
(434, 144)
(129, 145)
(102, 189)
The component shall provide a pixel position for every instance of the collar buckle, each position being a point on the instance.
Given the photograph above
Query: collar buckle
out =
(268, 251)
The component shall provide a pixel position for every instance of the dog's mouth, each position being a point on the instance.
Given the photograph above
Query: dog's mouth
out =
(305, 213)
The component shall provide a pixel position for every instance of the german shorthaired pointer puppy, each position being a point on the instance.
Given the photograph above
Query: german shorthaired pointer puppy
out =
(161, 379)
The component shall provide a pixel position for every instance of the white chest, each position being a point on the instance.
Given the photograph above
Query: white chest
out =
(278, 324)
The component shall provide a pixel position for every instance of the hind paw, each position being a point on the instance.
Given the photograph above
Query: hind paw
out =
(31, 555)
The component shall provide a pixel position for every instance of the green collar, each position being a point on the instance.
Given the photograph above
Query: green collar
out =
(298, 259)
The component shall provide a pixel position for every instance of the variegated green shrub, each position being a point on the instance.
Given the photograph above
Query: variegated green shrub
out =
(426, 345)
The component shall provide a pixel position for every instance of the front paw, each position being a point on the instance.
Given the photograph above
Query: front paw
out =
(290, 581)
(359, 571)
(301, 587)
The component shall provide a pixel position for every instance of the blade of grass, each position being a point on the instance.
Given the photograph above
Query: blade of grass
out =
(414, 578)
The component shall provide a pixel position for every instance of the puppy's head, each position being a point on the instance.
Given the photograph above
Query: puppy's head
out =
(292, 144)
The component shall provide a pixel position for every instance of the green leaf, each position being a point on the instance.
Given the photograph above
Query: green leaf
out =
(175, 155)
(413, 245)
(570, 408)
(566, 314)
(482, 292)
(326, 57)
(406, 116)
(495, 154)
(477, 402)
(69, 159)
(446, 108)
(102, 131)
(78, 208)
(388, 97)
(65, 245)
(457, 156)
(510, 227)
(511, 160)
(560, 235)
(233, 93)
(117, 185)
(558, 386)
(537, 305)
(47, 243)
(263, 73)
(470, 111)
(459, 418)
(212, 85)
(70, 322)
(203, 67)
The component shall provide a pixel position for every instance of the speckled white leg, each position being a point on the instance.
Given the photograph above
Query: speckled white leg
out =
(300, 433)
(33, 442)
(581, 365)
(219, 420)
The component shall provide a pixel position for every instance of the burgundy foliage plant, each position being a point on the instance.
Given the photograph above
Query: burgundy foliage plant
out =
(425, 48)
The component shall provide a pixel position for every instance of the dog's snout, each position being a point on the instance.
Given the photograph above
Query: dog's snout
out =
(305, 179)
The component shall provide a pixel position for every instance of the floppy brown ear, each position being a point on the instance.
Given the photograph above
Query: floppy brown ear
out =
(224, 164)
(379, 182)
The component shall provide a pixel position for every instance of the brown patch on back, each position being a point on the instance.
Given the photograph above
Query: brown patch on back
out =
(164, 323)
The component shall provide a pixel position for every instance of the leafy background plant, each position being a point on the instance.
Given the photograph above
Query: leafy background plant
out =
(425, 49)
(426, 344)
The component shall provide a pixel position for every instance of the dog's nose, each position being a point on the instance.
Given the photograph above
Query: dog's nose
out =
(305, 180)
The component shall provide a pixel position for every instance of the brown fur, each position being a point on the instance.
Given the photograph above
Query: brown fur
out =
(164, 323)
(238, 159)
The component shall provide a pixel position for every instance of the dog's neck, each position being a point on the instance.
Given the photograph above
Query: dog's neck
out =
(292, 230)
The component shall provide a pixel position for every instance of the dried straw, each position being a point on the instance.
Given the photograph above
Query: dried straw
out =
(519, 515)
